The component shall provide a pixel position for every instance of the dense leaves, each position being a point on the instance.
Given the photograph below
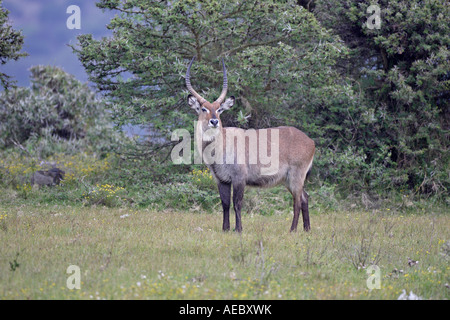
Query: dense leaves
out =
(11, 42)
(374, 100)
(403, 69)
(271, 50)
(56, 108)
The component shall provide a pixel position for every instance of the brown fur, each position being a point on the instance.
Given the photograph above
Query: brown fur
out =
(295, 157)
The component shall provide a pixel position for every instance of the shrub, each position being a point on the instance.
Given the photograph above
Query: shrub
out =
(105, 194)
(57, 114)
(203, 179)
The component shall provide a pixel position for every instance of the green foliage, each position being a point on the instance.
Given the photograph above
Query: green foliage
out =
(11, 42)
(203, 179)
(280, 65)
(278, 49)
(403, 69)
(105, 194)
(82, 173)
(374, 100)
(57, 114)
(14, 264)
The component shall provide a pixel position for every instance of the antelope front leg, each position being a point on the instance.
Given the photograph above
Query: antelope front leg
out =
(225, 196)
(238, 195)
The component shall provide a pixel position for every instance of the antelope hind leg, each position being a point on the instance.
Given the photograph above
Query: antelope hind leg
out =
(305, 211)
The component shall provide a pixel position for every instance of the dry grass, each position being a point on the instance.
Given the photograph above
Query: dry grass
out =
(141, 254)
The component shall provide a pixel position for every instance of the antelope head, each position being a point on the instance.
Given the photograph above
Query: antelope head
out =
(209, 113)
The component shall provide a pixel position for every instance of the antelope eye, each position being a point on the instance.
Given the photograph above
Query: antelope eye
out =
(204, 110)
(219, 110)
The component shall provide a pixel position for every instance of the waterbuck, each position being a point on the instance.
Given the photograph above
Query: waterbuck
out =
(238, 157)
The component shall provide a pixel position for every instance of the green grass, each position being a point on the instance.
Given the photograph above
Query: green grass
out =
(130, 253)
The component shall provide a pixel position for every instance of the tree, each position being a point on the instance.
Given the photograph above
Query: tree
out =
(271, 50)
(374, 100)
(280, 61)
(11, 42)
(403, 69)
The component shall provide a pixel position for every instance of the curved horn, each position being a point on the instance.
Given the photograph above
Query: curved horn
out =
(200, 99)
(225, 84)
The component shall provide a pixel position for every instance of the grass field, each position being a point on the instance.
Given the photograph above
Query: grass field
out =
(127, 253)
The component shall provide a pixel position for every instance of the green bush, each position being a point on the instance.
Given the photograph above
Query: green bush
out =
(375, 101)
(105, 194)
(58, 114)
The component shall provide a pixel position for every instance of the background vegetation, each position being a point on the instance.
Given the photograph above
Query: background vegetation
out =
(375, 101)
(11, 42)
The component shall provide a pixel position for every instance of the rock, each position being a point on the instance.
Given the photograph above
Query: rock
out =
(47, 178)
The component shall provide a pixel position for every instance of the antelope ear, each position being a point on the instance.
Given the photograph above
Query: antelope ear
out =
(193, 102)
(227, 104)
